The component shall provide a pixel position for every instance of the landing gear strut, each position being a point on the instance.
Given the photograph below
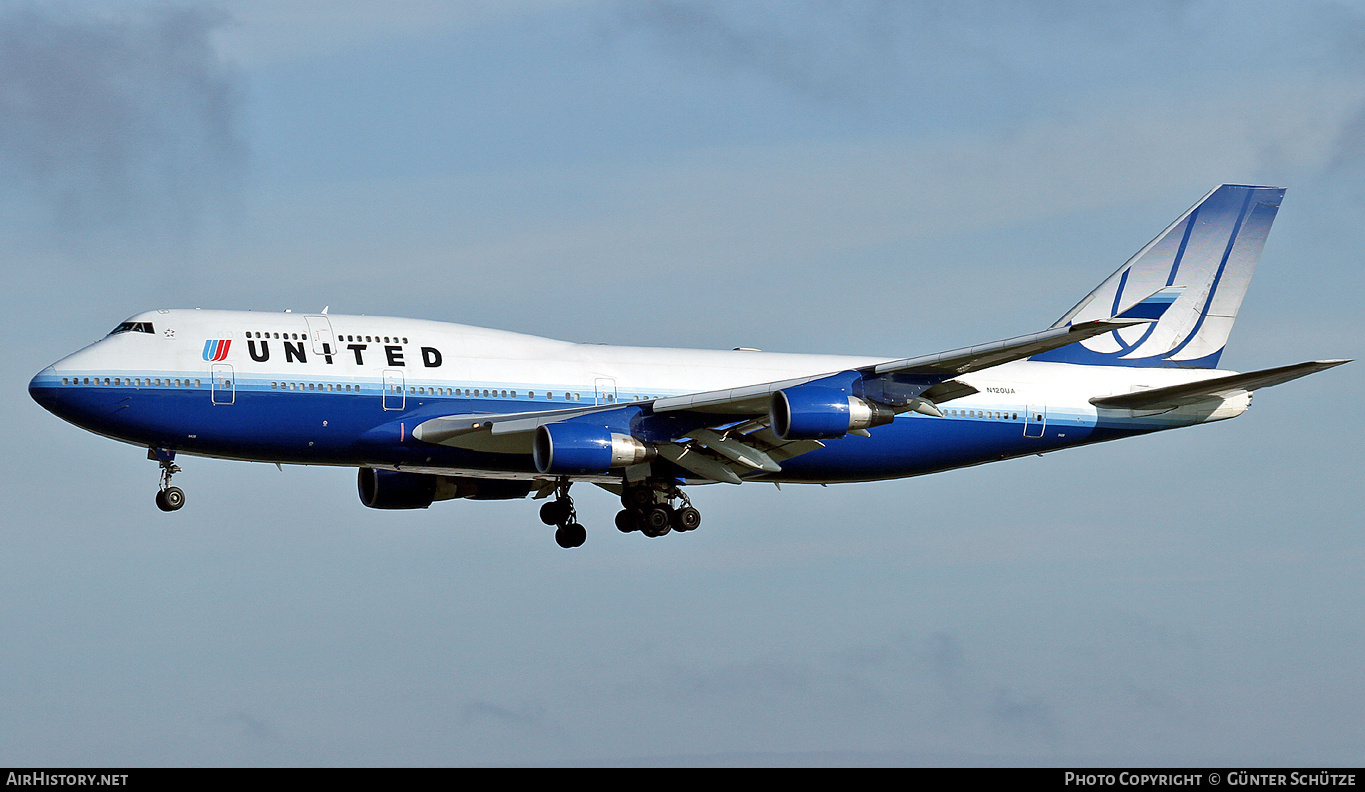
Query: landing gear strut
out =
(649, 509)
(560, 512)
(168, 498)
(652, 507)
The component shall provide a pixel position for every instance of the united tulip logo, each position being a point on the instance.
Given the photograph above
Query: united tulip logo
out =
(215, 350)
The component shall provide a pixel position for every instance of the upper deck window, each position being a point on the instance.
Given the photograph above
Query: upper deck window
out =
(133, 327)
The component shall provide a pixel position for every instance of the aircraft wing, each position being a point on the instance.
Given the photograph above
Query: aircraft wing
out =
(725, 435)
(754, 399)
(448, 429)
(1174, 396)
(969, 359)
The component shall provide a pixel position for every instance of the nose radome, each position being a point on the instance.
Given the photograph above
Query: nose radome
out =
(43, 387)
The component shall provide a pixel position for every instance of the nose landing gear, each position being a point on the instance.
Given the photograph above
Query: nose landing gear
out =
(168, 498)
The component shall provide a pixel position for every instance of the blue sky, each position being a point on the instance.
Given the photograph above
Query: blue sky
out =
(869, 178)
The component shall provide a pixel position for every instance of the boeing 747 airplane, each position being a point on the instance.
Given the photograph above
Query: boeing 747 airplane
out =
(432, 411)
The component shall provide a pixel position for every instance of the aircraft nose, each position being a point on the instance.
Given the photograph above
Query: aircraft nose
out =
(85, 407)
(43, 388)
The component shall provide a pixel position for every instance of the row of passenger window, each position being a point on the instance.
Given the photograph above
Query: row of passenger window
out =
(421, 390)
(376, 339)
(418, 390)
(1006, 416)
(136, 382)
(495, 394)
(177, 382)
(304, 337)
(315, 386)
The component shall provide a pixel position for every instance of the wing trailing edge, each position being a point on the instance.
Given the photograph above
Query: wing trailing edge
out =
(754, 399)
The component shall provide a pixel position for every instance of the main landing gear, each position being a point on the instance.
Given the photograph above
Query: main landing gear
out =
(168, 498)
(653, 508)
(560, 512)
(649, 509)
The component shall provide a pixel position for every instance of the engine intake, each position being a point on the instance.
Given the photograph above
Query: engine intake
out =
(584, 448)
(816, 413)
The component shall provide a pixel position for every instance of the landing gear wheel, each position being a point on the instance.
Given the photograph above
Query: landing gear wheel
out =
(658, 521)
(170, 499)
(560, 512)
(571, 535)
(555, 512)
(686, 519)
(628, 520)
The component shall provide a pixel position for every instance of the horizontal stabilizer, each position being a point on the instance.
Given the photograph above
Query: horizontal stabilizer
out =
(1220, 387)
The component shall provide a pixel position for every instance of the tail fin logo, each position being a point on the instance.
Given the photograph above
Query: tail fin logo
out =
(1194, 275)
(216, 350)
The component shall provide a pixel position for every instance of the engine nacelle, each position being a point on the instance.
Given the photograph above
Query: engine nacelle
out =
(390, 489)
(583, 448)
(816, 413)
(484, 489)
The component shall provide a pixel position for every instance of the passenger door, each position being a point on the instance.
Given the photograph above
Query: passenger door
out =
(320, 334)
(394, 397)
(221, 388)
(606, 390)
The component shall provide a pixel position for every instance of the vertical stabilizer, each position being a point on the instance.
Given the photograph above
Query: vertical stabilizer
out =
(1202, 265)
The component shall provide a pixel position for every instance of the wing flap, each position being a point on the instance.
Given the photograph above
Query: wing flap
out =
(502, 433)
(749, 400)
(689, 458)
(736, 450)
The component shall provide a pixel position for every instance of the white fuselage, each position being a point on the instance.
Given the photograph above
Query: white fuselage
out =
(253, 368)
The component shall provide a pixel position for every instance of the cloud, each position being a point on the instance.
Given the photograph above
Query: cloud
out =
(743, 198)
(854, 50)
(274, 31)
(250, 726)
(527, 715)
(765, 41)
(125, 121)
(1027, 716)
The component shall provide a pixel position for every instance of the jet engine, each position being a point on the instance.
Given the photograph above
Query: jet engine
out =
(388, 489)
(391, 489)
(815, 413)
(584, 448)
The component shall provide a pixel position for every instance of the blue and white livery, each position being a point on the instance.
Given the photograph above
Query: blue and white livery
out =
(432, 411)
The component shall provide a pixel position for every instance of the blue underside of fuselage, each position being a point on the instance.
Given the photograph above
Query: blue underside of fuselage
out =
(355, 430)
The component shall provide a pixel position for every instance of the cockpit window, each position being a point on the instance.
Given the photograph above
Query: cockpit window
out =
(133, 327)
